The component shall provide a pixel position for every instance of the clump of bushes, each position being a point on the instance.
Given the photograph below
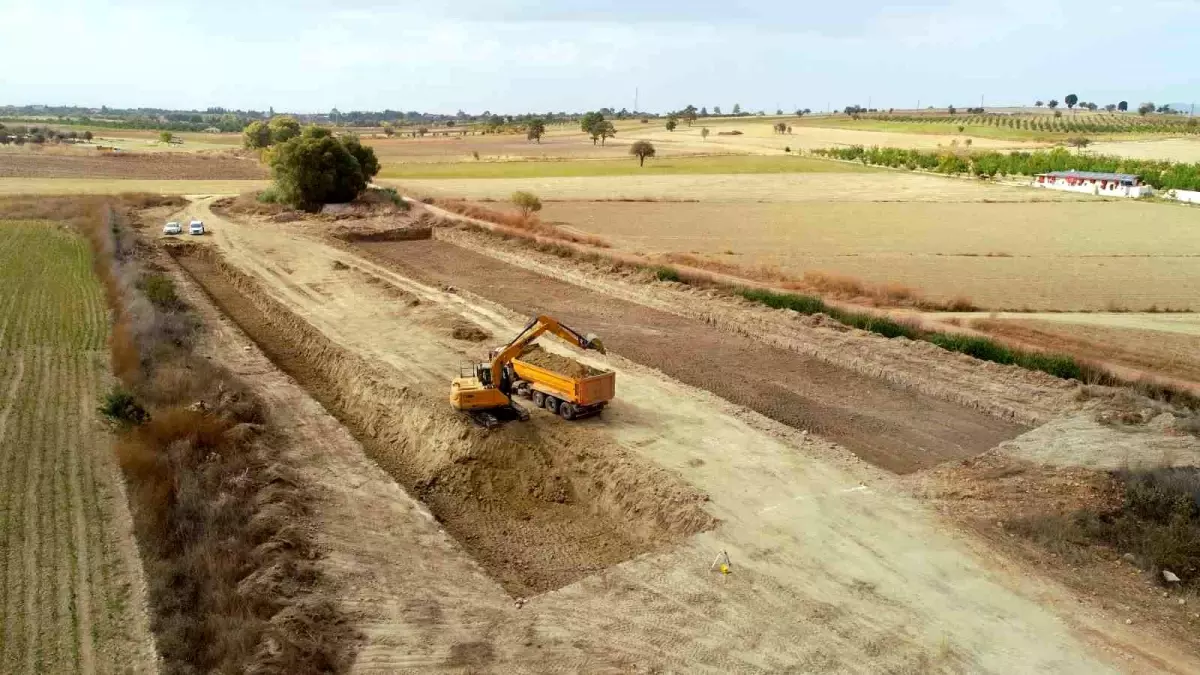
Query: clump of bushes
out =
(120, 407)
(1158, 522)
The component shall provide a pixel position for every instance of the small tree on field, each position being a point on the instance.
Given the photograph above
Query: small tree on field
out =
(737, 109)
(704, 133)
(1071, 100)
(642, 150)
(165, 136)
(1111, 107)
(716, 110)
(537, 129)
(1145, 109)
(1123, 106)
(1039, 104)
(1052, 104)
(527, 202)
(603, 131)
(87, 136)
(779, 128)
(388, 129)
(1058, 113)
(1092, 106)
(671, 123)
(951, 109)
(689, 115)
(1079, 142)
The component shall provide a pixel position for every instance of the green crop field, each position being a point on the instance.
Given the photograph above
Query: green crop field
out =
(716, 164)
(65, 603)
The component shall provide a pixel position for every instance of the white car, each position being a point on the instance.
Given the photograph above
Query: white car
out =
(172, 228)
(196, 227)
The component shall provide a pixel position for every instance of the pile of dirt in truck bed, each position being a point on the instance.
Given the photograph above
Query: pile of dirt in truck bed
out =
(560, 364)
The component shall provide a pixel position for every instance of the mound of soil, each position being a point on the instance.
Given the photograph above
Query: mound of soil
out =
(465, 330)
(560, 364)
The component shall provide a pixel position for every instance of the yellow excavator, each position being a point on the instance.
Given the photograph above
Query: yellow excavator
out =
(484, 390)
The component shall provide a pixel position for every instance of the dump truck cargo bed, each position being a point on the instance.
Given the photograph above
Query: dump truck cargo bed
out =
(584, 391)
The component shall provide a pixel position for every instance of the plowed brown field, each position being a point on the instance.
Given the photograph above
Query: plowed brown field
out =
(162, 165)
(70, 580)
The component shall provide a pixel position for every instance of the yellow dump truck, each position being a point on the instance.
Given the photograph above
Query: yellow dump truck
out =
(570, 394)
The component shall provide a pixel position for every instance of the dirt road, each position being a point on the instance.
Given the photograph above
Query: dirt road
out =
(834, 567)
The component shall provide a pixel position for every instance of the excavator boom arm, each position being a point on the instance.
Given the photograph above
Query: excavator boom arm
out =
(535, 327)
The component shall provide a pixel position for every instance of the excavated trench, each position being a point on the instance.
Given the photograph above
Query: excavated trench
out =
(537, 508)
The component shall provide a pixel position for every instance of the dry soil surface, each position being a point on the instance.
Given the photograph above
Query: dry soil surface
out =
(834, 567)
(1042, 256)
(112, 186)
(155, 166)
(881, 186)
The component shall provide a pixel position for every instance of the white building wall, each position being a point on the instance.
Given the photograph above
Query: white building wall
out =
(1184, 195)
(1093, 188)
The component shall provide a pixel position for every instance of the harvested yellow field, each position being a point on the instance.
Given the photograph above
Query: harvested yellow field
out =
(1172, 354)
(876, 186)
(1070, 255)
(1174, 149)
(112, 186)
(758, 136)
(71, 598)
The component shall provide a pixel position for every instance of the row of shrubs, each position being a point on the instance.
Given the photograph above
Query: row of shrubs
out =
(987, 164)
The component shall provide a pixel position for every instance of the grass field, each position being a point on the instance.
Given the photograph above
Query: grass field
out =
(717, 164)
(1058, 256)
(65, 589)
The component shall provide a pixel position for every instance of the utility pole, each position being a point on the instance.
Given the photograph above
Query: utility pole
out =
(981, 101)
(635, 99)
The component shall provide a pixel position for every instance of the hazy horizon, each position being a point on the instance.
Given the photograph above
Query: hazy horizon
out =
(514, 56)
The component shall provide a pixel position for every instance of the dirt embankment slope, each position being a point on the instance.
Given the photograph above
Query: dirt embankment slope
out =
(160, 166)
(898, 429)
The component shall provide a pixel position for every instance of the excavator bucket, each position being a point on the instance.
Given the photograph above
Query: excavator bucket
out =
(593, 342)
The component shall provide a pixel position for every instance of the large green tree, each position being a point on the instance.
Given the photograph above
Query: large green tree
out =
(590, 120)
(314, 169)
(1071, 100)
(284, 128)
(256, 135)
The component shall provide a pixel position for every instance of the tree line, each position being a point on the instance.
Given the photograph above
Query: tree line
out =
(21, 134)
(1161, 175)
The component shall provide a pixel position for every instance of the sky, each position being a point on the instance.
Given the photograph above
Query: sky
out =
(515, 56)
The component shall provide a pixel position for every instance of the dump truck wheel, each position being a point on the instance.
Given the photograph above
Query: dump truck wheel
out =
(567, 410)
(539, 399)
(551, 404)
